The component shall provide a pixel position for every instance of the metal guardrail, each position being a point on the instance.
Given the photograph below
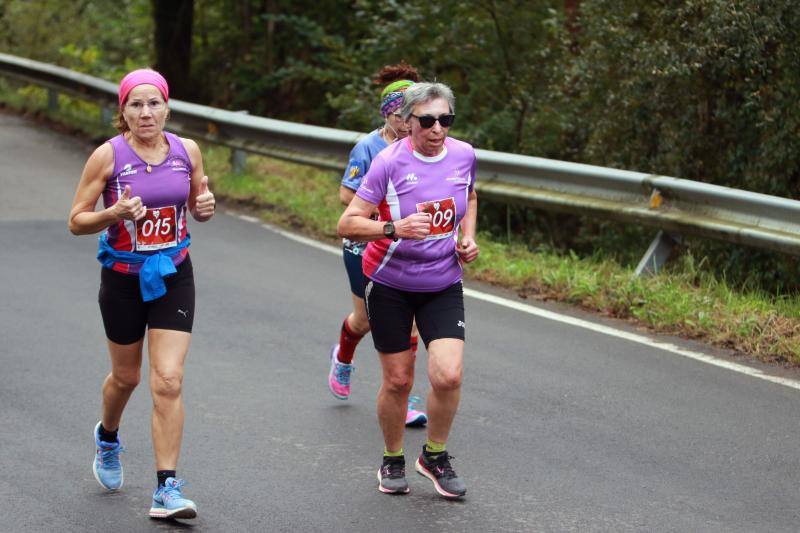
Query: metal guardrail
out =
(674, 206)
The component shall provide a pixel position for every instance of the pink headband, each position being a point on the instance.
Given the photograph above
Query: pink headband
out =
(140, 77)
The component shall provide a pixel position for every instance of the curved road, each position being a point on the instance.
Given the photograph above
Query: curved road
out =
(560, 428)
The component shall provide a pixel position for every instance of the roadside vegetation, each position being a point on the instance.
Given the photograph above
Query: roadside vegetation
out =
(685, 299)
(707, 90)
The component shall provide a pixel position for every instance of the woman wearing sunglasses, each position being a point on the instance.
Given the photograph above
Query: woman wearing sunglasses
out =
(423, 188)
(395, 79)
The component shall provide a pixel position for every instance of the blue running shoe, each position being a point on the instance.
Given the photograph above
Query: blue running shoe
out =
(415, 417)
(168, 502)
(106, 466)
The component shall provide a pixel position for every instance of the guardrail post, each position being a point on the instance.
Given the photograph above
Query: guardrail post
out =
(52, 100)
(508, 223)
(239, 157)
(657, 254)
(106, 116)
(238, 160)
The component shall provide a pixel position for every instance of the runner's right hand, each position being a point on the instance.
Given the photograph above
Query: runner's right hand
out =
(129, 208)
(416, 226)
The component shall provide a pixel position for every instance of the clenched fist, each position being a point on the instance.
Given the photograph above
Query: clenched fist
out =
(467, 250)
(416, 226)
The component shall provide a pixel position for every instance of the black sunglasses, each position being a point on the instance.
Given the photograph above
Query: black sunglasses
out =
(427, 121)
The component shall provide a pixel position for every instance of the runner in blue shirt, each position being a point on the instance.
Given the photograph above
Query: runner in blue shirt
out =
(395, 79)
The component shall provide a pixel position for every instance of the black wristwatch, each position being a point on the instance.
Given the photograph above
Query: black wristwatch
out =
(388, 230)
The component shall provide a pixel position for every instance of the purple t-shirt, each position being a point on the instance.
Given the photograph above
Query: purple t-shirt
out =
(401, 182)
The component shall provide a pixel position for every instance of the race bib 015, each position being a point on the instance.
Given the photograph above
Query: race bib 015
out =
(157, 230)
(443, 217)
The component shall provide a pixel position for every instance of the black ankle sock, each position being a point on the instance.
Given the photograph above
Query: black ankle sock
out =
(163, 475)
(106, 435)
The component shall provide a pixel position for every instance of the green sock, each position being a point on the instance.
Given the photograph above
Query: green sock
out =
(387, 453)
(434, 448)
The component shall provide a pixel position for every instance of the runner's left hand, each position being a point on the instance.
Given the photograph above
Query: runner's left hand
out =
(467, 249)
(205, 203)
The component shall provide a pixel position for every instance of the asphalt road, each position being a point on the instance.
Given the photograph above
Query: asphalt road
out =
(560, 428)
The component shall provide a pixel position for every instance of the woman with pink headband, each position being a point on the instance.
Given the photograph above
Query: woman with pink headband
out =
(395, 79)
(150, 180)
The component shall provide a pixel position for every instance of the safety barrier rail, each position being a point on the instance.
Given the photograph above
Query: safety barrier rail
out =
(674, 206)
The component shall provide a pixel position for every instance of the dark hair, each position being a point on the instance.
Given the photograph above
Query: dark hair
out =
(400, 71)
(119, 122)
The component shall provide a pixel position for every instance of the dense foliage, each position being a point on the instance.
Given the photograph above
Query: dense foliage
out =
(701, 89)
(101, 37)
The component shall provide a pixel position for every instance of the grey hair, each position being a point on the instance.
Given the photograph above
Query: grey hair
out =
(423, 92)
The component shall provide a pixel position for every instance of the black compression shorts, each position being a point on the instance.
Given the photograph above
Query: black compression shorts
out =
(439, 315)
(126, 315)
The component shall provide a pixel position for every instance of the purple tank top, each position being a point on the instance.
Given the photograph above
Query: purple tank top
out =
(164, 191)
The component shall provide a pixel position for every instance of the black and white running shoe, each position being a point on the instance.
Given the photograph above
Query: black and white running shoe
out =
(392, 476)
(437, 468)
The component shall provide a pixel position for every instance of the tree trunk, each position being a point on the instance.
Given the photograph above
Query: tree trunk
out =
(270, 9)
(173, 39)
(571, 10)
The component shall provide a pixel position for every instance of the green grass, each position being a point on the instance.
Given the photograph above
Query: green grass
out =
(678, 301)
(73, 114)
(292, 195)
(683, 299)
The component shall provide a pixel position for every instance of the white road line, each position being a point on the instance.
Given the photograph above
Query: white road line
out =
(633, 337)
(336, 250)
(577, 322)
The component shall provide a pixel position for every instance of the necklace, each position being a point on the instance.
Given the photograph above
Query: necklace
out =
(149, 167)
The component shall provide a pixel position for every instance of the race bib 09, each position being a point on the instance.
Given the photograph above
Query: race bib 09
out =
(157, 230)
(443, 217)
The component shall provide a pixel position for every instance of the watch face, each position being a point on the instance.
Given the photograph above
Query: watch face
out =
(388, 229)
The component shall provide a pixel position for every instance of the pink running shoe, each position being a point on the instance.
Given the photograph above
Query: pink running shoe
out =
(414, 417)
(339, 375)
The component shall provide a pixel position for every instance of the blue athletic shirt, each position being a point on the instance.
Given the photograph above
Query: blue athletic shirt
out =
(361, 157)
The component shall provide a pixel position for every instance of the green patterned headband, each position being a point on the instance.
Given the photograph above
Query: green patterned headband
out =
(395, 86)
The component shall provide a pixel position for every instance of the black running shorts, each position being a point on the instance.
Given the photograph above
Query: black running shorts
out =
(391, 312)
(126, 315)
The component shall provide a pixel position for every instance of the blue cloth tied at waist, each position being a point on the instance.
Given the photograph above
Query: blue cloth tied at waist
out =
(154, 269)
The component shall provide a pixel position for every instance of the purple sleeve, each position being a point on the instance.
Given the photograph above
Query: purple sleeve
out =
(375, 181)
